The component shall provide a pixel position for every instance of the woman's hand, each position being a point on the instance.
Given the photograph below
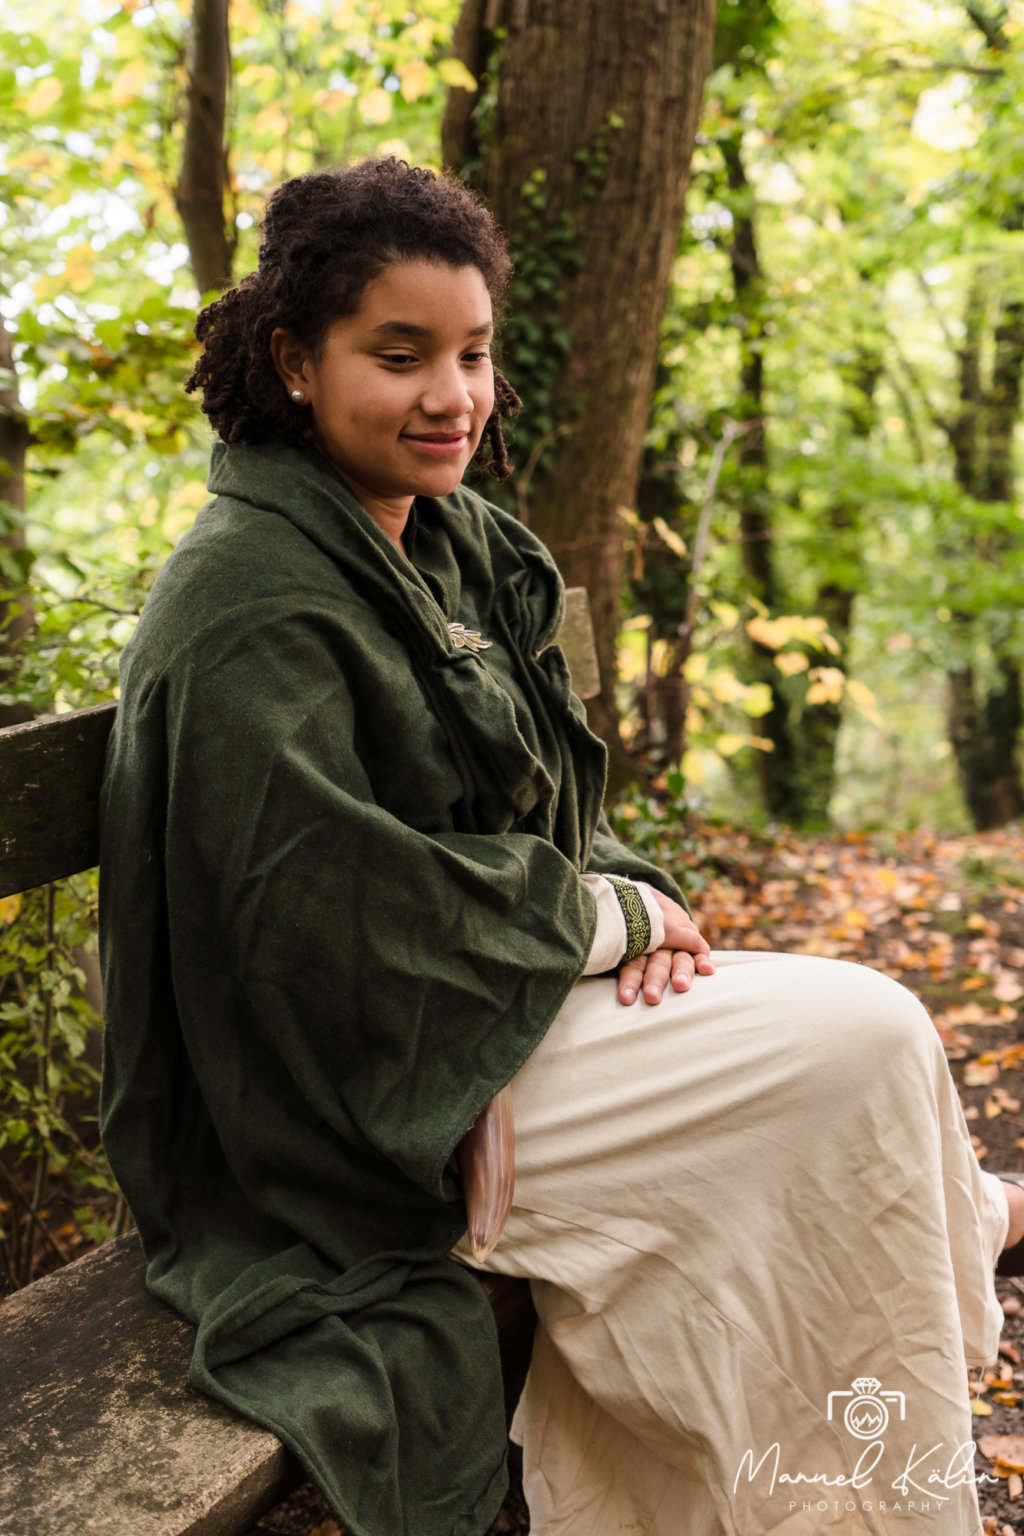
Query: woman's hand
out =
(685, 954)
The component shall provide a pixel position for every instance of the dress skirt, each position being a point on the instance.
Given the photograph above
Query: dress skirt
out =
(761, 1251)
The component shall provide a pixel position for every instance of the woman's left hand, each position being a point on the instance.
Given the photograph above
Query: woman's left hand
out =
(685, 954)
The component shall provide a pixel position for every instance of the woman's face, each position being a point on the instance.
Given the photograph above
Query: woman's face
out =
(402, 389)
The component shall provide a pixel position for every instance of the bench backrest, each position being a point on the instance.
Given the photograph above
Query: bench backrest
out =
(50, 773)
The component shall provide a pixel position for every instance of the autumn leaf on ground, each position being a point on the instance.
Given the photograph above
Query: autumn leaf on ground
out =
(1005, 1452)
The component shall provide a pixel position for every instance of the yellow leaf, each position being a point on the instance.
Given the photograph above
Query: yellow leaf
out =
(375, 106)
(671, 539)
(860, 693)
(692, 766)
(696, 667)
(791, 662)
(331, 102)
(252, 74)
(272, 122)
(10, 906)
(727, 614)
(47, 93)
(455, 74)
(128, 82)
(396, 147)
(980, 1408)
(245, 17)
(758, 701)
(417, 77)
(726, 686)
(78, 268)
(729, 743)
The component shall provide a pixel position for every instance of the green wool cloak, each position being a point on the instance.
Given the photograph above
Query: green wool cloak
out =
(340, 905)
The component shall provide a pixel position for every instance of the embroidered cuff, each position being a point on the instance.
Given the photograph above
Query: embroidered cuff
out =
(609, 947)
(634, 911)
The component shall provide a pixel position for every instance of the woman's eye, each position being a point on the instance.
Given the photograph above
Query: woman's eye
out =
(477, 357)
(400, 359)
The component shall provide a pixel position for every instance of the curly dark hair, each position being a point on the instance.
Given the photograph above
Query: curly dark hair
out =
(325, 236)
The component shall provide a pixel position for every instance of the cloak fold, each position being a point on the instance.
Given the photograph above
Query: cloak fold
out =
(340, 905)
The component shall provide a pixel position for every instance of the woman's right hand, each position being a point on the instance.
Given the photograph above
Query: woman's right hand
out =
(684, 954)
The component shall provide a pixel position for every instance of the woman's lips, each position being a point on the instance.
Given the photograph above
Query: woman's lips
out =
(441, 443)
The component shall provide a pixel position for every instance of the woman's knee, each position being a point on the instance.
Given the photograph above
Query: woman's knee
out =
(859, 1017)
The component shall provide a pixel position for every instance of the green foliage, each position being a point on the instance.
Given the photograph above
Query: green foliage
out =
(885, 171)
(660, 827)
(48, 1075)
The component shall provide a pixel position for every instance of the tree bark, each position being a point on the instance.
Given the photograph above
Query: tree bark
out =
(842, 539)
(204, 182)
(16, 614)
(985, 718)
(777, 770)
(597, 101)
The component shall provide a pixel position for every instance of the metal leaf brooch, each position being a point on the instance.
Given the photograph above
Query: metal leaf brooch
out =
(468, 639)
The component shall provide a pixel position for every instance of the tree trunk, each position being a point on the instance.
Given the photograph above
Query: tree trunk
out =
(842, 541)
(777, 770)
(15, 603)
(585, 160)
(985, 719)
(204, 182)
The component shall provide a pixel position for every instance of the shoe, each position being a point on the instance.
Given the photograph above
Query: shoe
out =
(1011, 1260)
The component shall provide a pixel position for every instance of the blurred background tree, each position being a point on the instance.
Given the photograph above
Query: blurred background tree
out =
(835, 327)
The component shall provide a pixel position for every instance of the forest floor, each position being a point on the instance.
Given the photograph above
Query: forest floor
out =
(945, 916)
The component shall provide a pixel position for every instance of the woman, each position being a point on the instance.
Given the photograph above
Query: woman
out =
(356, 879)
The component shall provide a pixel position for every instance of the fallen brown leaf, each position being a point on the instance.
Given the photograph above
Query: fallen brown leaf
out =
(1005, 1452)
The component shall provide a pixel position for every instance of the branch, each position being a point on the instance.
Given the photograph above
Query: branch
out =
(990, 27)
(730, 432)
(939, 420)
(943, 324)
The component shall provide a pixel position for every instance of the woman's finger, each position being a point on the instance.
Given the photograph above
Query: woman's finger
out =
(684, 968)
(631, 975)
(659, 968)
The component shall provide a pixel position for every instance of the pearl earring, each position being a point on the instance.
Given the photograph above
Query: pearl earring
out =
(297, 395)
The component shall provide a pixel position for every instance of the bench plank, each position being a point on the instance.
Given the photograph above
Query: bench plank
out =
(100, 1433)
(50, 773)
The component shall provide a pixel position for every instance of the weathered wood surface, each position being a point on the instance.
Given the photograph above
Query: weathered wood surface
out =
(50, 773)
(576, 637)
(99, 1433)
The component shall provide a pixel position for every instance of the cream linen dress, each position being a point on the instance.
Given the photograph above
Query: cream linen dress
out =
(761, 1250)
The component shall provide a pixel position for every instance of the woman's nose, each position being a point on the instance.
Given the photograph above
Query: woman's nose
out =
(446, 392)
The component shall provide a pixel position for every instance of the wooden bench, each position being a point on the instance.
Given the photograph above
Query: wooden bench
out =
(100, 1435)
